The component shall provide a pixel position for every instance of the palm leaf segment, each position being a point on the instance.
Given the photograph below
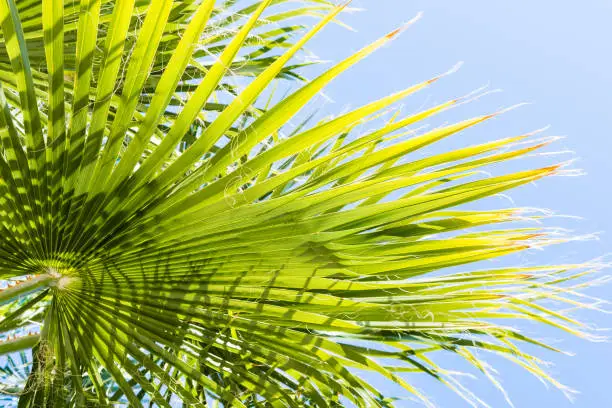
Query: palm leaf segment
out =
(179, 244)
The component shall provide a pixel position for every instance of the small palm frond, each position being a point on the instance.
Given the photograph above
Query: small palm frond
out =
(170, 235)
(14, 371)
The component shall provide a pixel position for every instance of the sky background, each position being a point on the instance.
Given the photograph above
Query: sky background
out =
(557, 56)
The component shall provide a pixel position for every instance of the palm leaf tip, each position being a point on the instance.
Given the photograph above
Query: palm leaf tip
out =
(171, 235)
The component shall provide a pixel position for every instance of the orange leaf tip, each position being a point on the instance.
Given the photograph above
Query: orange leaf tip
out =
(404, 26)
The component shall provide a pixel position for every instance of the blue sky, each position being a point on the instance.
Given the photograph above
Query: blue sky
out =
(556, 55)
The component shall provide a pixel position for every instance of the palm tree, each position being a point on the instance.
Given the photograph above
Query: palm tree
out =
(174, 232)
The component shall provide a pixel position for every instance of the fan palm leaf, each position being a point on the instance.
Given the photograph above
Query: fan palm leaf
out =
(170, 236)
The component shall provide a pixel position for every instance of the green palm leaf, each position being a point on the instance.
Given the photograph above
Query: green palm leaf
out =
(169, 236)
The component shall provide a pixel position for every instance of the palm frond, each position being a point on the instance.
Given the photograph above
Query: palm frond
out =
(169, 235)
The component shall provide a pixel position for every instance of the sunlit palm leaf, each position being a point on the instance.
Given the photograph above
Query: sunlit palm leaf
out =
(183, 242)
